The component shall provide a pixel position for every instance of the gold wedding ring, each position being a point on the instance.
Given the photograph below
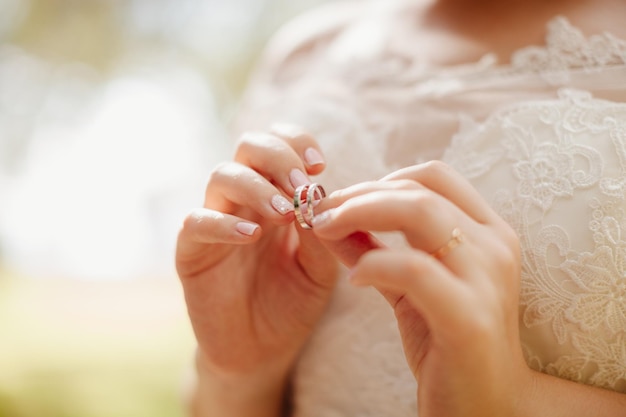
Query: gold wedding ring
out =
(457, 238)
(306, 197)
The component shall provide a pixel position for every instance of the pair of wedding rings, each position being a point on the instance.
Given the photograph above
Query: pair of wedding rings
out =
(308, 196)
(305, 199)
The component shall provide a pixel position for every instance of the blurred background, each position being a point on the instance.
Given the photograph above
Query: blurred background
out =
(112, 113)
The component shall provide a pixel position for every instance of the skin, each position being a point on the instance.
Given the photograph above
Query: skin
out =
(254, 299)
(457, 315)
(452, 32)
(256, 284)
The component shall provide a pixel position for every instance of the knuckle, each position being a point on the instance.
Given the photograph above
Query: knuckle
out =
(264, 150)
(496, 253)
(221, 166)
(195, 218)
(425, 204)
(436, 168)
(250, 142)
(413, 267)
(512, 239)
(192, 223)
(199, 220)
(244, 142)
(508, 251)
(506, 260)
(251, 138)
(222, 170)
(291, 132)
(505, 264)
(302, 136)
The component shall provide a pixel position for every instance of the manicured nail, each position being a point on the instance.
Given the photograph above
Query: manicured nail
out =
(281, 204)
(313, 157)
(247, 229)
(298, 178)
(322, 218)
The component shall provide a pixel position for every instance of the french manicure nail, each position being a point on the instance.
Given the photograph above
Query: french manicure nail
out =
(247, 229)
(313, 157)
(298, 178)
(281, 204)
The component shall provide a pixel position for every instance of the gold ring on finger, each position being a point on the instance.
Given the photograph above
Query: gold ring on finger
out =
(455, 240)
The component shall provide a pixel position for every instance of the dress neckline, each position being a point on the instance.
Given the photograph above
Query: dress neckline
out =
(566, 51)
(568, 48)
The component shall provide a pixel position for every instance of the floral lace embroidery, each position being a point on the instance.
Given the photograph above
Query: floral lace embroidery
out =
(559, 157)
(606, 372)
(567, 48)
(538, 172)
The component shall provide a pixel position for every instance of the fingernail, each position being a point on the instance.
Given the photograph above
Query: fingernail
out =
(322, 218)
(298, 178)
(313, 157)
(281, 204)
(247, 229)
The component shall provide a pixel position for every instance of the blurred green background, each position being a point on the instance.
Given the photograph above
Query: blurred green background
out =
(112, 112)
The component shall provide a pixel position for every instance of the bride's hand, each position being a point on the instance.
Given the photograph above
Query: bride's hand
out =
(454, 289)
(255, 285)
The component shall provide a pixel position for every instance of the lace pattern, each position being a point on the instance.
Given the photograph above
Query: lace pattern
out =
(553, 161)
(567, 48)
(553, 166)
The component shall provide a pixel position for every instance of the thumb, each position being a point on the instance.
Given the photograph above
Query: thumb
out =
(319, 258)
(315, 259)
(349, 249)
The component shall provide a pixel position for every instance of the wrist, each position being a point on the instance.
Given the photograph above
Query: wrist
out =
(260, 393)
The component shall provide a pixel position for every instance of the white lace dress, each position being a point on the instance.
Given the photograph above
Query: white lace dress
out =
(543, 139)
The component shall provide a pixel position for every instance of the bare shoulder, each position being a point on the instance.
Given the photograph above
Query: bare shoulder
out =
(287, 59)
(302, 34)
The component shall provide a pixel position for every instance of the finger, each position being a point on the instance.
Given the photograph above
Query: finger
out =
(438, 296)
(304, 144)
(445, 181)
(425, 218)
(350, 249)
(204, 227)
(276, 159)
(429, 222)
(339, 197)
(316, 260)
(233, 186)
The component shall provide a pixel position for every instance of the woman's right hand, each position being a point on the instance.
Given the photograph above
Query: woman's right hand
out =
(254, 284)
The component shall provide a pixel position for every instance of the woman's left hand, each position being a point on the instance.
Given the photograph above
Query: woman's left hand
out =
(455, 296)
